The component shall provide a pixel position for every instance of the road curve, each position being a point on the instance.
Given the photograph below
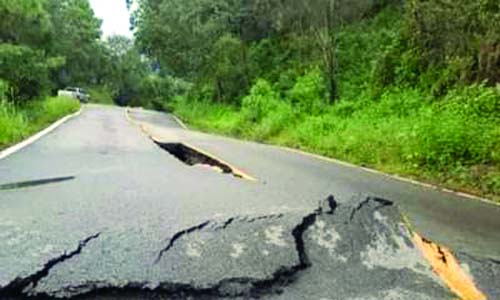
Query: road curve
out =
(100, 204)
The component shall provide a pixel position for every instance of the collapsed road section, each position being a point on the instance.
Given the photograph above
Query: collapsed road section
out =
(363, 250)
(192, 157)
(186, 153)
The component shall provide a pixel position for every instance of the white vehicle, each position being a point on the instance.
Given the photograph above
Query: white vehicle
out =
(76, 93)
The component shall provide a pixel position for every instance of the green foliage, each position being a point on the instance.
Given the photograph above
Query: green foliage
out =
(48, 44)
(360, 72)
(204, 114)
(75, 36)
(271, 126)
(309, 92)
(24, 22)
(231, 43)
(19, 122)
(180, 34)
(474, 101)
(13, 124)
(227, 68)
(25, 69)
(453, 42)
(280, 61)
(45, 112)
(101, 95)
(156, 90)
(261, 100)
(4, 90)
(128, 73)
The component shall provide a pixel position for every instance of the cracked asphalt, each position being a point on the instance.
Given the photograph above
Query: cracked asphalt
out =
(97, 210)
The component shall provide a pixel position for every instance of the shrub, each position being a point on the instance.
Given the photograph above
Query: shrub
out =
(260, 102)
(475, 100)
(101, 94)
(281, 117)
(308, 93)
(155, 91)
(26, 70)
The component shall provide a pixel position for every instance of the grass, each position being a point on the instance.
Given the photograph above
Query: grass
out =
(20, 122)
(454, 143)
(101, 95)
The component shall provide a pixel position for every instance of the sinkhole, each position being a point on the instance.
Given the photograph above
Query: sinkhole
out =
(193, 157)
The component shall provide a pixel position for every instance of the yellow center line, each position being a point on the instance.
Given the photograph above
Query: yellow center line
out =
(236, 171)
(446, 266)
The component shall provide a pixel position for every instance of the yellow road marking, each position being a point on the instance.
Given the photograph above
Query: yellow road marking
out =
(446, 266)
(179, 121)
(236, 171)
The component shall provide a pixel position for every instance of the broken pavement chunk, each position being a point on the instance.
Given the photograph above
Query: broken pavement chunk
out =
(360, 250)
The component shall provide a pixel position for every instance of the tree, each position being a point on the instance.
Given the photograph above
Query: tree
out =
(461, 36)
(127, 70)
(24, 22)
(324, 18)
(209, 42)
(47, 44)
(75, 36)
(227, 68)
(24, 27)
(180, 34)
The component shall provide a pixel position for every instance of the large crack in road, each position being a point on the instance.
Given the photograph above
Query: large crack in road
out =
(359, 251)
(17, 287)
(178, 235)
(227, 287)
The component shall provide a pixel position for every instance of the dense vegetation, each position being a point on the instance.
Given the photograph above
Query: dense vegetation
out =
(406, 87)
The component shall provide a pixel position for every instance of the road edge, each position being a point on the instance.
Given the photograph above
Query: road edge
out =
(30, 140)
(179, 121)
(387, 175)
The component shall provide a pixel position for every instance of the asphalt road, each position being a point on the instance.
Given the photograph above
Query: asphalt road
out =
(98, 210)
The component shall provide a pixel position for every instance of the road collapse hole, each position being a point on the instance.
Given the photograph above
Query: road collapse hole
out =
(193, 157)
(31, 183)
(446, 266)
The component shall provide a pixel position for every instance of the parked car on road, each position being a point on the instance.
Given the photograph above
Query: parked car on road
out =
(76, 93)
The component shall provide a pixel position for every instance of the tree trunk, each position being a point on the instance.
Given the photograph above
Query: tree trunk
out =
(327, 44)
(220, 91)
